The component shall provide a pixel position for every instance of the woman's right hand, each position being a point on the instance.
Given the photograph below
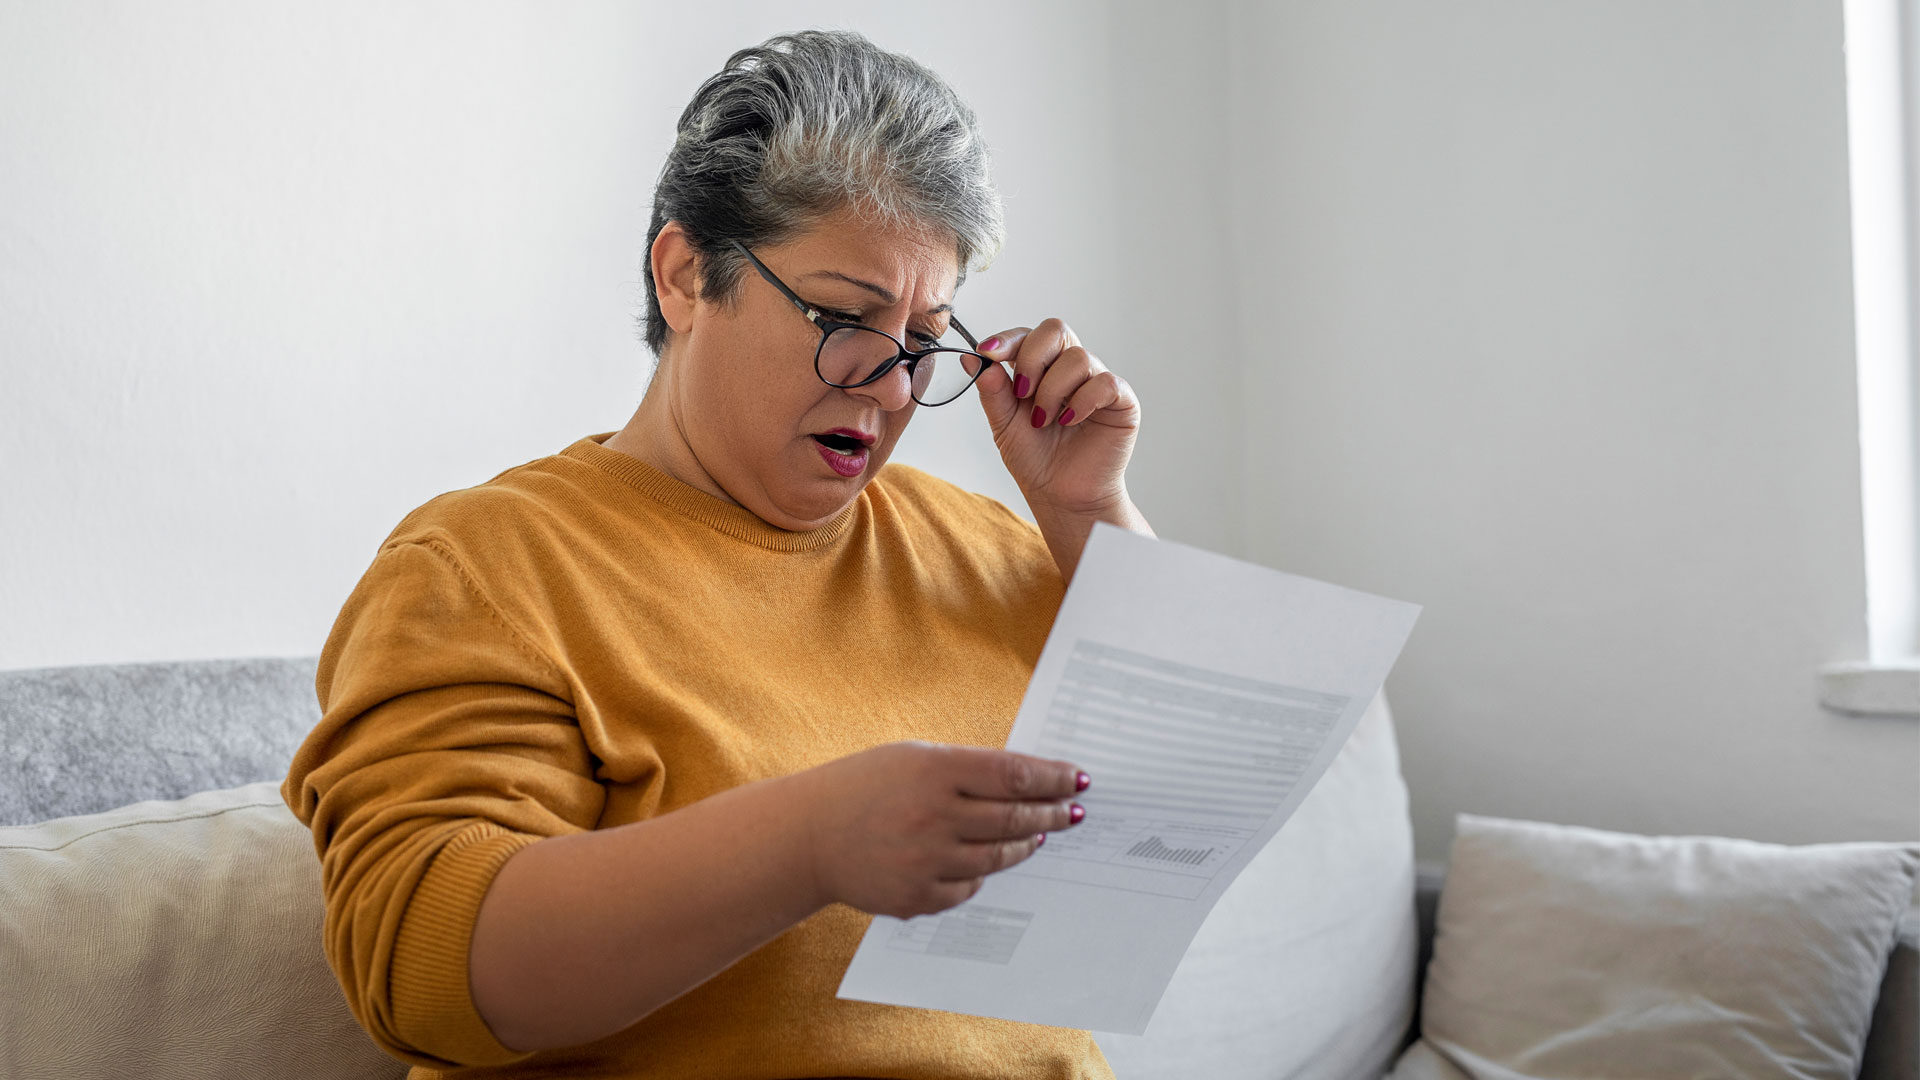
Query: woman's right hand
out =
(911, 828)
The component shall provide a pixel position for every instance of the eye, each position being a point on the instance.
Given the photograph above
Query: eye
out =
(924, 339)
(930, 338)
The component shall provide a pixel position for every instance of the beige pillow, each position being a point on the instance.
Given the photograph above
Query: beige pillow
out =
(1571, 952)
(172, 939)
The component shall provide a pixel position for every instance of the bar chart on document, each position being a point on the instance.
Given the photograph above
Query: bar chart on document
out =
(1192, 764)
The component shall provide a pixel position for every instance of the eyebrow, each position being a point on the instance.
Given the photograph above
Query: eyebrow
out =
(883, 294)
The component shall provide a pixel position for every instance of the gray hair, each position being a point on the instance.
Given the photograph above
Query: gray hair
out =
(808, 124)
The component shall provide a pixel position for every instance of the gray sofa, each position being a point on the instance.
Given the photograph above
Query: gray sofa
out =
(83, 740)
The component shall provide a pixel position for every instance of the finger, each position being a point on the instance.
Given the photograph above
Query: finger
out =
(979, 860)
(1036, 352)
(995, 391)
(1005, 774)
(995, 386)
(982, 820)
(942, 895)
(1065, 376)
(1004, 345)
(1105, 398)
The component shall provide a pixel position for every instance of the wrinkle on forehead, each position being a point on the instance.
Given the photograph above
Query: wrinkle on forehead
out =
(886, 295)
(848, 247)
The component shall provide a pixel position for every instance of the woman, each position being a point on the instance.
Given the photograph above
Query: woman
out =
(620, 747)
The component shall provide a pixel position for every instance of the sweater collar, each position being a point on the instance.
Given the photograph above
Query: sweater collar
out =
(690, 502)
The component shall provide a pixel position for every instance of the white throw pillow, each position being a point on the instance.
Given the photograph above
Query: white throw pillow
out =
(1305, 968)
(1571, 952)
(172, 939)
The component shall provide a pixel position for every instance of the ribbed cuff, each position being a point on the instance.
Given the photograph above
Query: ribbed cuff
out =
(431, 997)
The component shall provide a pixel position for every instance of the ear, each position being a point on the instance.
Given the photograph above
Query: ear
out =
(676, 276)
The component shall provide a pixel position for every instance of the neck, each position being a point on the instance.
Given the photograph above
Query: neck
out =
(656, 436)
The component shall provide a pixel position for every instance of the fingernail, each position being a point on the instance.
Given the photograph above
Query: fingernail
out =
(1040, 839)
(1039, 416)
(1081, 781)
(990, 344)
(1076, 813)
(1066, 417)
(1020, 386)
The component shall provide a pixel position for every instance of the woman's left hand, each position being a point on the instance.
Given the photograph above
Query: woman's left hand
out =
(1065, 425)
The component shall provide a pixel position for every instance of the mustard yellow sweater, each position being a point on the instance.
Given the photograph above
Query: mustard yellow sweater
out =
(584, 642)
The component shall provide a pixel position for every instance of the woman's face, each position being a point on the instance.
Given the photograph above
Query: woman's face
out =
(743, 392)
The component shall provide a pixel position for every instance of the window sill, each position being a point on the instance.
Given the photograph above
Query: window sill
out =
(1862, 689)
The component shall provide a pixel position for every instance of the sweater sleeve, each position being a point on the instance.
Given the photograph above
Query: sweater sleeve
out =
(446, 744)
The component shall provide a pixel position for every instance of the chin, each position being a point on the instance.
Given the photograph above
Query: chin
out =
(808, 505)
(805, 515)
(812, 501)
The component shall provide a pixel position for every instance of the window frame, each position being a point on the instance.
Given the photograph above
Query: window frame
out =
(1883, 135)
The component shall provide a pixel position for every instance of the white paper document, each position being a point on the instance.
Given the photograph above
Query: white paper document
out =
(1204, 696)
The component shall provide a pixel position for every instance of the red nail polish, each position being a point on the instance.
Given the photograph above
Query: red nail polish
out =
(1076, 813)
(1039, 416)
(1039, 839)
(1081, 781)
(1066, 417)
(990, 344)
(1019, 386)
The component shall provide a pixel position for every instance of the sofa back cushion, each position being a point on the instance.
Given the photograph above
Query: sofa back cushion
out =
(1305, 968)
(84, 739)
(172, 939)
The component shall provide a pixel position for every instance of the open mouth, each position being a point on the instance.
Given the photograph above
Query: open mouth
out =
(844, 454)
(841, 444)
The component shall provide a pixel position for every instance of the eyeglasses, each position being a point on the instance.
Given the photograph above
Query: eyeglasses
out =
(851, 354)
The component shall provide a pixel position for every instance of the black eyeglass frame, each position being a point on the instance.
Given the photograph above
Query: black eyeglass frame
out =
(911, 357)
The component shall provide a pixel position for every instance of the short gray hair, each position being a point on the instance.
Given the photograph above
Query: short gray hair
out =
(807, 124)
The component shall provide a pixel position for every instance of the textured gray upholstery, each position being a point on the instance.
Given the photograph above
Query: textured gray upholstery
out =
(1893, 1044)
(78, 740)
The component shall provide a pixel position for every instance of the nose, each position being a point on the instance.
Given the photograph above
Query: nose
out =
(892, 391)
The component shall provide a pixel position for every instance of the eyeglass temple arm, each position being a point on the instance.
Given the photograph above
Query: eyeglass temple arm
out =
(955, 323)
(805, 308)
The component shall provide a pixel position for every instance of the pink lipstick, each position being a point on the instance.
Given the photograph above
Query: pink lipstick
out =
(844, 450)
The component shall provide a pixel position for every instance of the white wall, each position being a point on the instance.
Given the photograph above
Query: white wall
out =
(272, 275)
(1561, 348)
(1177, 330)
(1536, 314)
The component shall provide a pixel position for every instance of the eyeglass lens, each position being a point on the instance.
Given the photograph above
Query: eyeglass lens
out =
(850, 355)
